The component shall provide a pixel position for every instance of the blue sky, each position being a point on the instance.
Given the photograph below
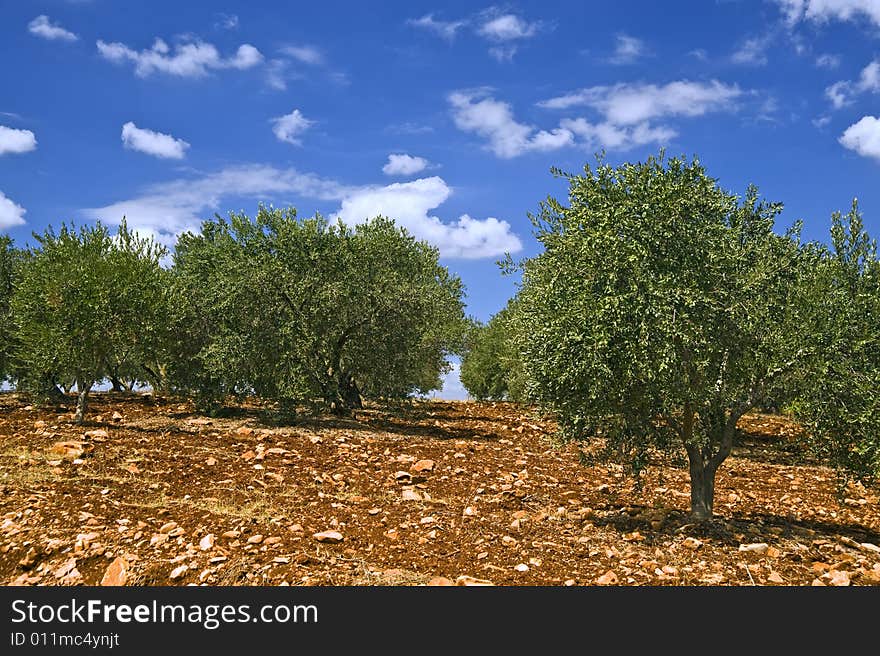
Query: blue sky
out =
(446, 116)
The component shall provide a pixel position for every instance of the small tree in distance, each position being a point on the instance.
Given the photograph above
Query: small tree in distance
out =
(7, 276)
(490, 368)
(661, 310)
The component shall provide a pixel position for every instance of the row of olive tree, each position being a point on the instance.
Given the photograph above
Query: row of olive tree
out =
(287, 309)
(663, 308)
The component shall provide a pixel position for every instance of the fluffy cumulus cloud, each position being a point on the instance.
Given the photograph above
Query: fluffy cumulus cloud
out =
(627, 112)
(42, 27)
(187, 59)
(16, 141)
(403, 164)
(627, 49)
(10, 214)
(820, 11)
(410, 205)
(475, 111)
(167, 209)
(289, 127)
(844, 93)
(863, 137)
(152, 143)
(506, 27)
(627, 104)
(164, 210)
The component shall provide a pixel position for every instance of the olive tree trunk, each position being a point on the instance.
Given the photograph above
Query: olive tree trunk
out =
(82, 401)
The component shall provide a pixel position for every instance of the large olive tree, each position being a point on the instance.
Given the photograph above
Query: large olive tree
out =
(87, 304)
(660, 311)
(490, 367)
(294, 309)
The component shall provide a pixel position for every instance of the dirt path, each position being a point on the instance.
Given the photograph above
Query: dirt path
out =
(444, 489)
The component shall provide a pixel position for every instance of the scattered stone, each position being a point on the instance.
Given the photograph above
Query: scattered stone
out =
(403, 478)
(116, 416)
(99, 435)
(775, 577)
(116, 574)
(331, 537)
(230, 534)
(608, 578)
(422, 466)
(522, 567)
(211, 461)
(255, 539)
(177, 572)
(692, 543)
(439, 581)
(70, 450)
(757, 547)
(29, 559)
(207, 542)
(838, 578)
(466, 580)
(167, 528)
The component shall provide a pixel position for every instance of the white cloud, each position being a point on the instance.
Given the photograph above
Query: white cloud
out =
(628, 104)
(167, 209)
(304, 54)
(843, 93)
(42, 27)
(752, 52)
(477, 112)
(290, 126)
(821, 11)
(10, 214)
(152, 143)
(627, 49)
(503, 53)
(863, 137)
(615, 137)
(226, 22)
(821, 121)
(16, 141)
(403, 164)
(189, 59)
(828, 61)
(409, 204)
(506, 27)
(445, 29)
(164, 210)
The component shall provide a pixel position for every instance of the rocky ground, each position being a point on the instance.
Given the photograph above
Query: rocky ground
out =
(149, 493)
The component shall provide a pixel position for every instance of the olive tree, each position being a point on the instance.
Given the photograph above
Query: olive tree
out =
(8, 257)
(85, 304)
(837, 397)
(294, 309)
(660, 311)
(490, 368)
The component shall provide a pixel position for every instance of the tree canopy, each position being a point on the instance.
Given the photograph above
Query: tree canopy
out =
(661, 310)
(296, 309)
(86, 305)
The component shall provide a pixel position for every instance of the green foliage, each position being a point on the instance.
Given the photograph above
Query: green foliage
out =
(838, 396)
(87, 304)
(660, 311)
(8, 258)
(490, 367)
(293, 309)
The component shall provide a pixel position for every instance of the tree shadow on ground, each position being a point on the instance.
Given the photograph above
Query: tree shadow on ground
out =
(729, 529)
